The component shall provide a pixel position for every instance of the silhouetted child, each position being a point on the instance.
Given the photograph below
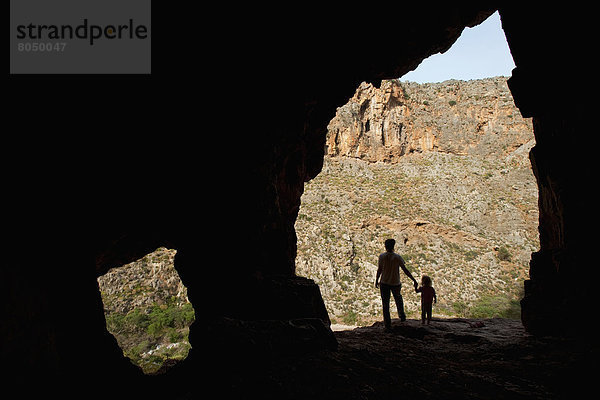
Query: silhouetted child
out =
(428, 297)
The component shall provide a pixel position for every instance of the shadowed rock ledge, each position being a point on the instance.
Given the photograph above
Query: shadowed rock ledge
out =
(448, 359)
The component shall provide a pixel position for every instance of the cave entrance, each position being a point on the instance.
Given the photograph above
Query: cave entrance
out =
(147, 311)
(454, 188)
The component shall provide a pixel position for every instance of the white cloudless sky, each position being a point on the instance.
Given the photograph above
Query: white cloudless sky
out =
(479, 52)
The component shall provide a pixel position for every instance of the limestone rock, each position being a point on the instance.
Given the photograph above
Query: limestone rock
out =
(476, 117)
(142, 283)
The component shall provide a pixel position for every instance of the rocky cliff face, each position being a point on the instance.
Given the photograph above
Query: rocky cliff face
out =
(143, 283)
(442, 168)
(468, 118)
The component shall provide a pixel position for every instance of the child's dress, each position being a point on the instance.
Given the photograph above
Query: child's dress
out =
(427, 295)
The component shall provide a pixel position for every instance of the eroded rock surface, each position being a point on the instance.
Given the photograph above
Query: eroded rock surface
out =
(476, 117)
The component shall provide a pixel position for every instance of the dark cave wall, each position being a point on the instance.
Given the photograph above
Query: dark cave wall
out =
(550, 52)
(136, 178)
(556, 293)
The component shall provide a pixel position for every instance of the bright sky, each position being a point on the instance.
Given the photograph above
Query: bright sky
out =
(480, 52)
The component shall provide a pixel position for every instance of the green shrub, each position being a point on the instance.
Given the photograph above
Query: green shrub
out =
(137, 319)
(471, 255)
(163, 317)
(495, 307)
(350, 317)
(503, 254)
(460, 308)
(513, 311)
(115, 322)
(186, 315)
(174, 335)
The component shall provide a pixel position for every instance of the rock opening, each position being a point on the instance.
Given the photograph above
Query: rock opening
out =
(147, 311)
(462, 203)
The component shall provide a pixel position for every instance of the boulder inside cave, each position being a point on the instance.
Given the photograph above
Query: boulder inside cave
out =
(147, 310)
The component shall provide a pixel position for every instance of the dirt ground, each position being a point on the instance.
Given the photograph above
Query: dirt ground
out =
(449, 359)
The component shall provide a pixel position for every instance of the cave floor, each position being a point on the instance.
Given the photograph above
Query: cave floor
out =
(451, 358)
